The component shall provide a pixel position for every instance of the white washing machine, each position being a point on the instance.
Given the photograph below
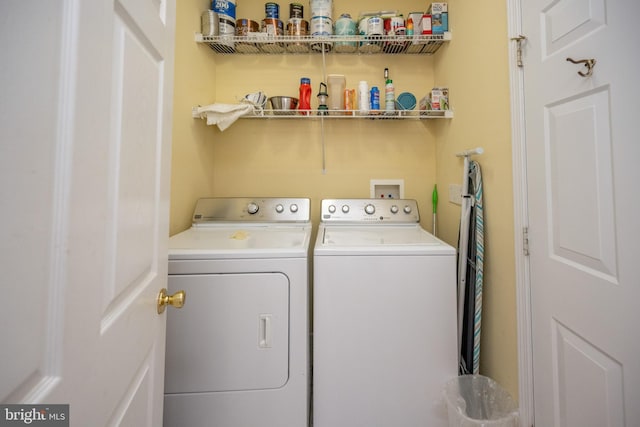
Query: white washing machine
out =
(238, 351)
(384, 317)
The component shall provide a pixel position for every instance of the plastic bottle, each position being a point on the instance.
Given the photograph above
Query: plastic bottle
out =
(409, 27)
(389, 96)
(304, 103)
(363, 97)
(375, 98)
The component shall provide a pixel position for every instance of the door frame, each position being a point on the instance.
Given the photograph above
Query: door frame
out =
(521, 219)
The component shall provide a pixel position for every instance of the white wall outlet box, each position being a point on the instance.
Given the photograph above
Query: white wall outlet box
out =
(455, 194)
(387, 188)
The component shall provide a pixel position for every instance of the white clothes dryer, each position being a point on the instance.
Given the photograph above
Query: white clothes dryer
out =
(238, 352)
(384, 310)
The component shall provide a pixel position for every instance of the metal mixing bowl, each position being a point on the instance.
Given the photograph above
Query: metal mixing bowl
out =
(282, 105)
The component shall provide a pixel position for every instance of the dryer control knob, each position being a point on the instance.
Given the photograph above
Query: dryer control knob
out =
(394, 209)
(407, 209)
(332, 209)
(253, 208)
(294, 208)
(370, 209)
(279, 208)
(345, 208)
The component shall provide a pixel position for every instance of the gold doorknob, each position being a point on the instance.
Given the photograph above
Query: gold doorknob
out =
(176, 300)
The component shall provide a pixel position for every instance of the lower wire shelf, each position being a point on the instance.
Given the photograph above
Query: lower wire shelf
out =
(351, 114)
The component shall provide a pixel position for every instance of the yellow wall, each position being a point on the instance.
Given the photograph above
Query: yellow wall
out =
(285, 157)
(195, 81)
(475, 66)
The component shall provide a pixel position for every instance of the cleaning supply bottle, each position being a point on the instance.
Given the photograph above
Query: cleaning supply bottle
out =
(304, 103)
(389, 93)
(409, 31)
(363, 98)
(389, 97)
(375, 99)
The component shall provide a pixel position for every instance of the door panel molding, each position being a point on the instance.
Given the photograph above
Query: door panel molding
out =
(520, 219)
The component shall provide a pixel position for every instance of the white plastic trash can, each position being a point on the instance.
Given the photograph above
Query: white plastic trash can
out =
(479, 401)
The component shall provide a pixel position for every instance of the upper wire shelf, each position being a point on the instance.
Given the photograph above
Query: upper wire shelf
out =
(263, 43)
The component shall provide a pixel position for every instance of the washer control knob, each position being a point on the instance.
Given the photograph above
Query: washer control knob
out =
(407, 209)
(345, 208)
(253, 208)
(370, 209)
(332, 208)
(293, 208)
(279, 208)
(394, 209)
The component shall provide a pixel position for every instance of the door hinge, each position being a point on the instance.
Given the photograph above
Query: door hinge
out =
(518, 41)
(525, 242)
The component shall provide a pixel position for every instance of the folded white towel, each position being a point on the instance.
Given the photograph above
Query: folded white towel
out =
(222, 115)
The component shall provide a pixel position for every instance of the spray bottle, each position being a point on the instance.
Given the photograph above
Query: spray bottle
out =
(389, 93)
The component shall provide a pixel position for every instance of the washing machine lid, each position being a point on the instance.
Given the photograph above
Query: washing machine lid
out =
(377, 239)
(241, 241)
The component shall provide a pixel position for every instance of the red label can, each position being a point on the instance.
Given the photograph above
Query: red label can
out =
(426, 24)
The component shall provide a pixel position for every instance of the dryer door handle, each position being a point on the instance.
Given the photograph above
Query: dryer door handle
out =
(264, 331)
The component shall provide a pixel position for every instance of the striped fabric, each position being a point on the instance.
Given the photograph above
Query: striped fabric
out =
(476, 179)
(471, 257)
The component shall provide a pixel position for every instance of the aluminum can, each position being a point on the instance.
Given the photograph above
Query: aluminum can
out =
(226, 10)
(297, 27)
(272, 10)
(244, 27)
(296, 10)
(375, 26)
(272, 26)
(209, 23)
(224, 7)
(394, 26)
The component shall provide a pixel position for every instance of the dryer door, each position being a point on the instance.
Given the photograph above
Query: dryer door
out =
(232, 335)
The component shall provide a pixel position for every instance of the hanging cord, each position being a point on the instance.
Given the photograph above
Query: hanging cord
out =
(324, 79)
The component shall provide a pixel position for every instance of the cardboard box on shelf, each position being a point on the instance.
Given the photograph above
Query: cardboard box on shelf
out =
(439, 17)
(439, 7)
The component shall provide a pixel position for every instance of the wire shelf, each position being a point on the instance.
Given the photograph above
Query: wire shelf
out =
(263, 43)
(350, 114)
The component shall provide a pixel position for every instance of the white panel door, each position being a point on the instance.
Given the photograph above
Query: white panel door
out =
(85, 125)
(582, 172)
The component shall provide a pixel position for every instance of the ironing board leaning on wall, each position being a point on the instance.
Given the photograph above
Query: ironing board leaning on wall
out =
(470, 266)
